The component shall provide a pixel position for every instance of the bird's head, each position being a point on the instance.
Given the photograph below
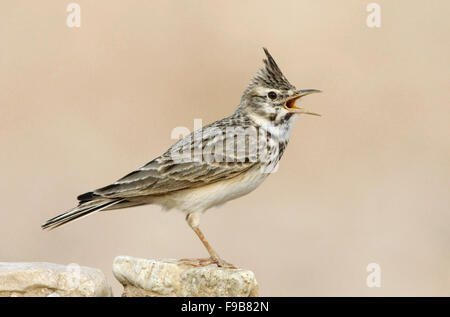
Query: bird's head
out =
(270, 99)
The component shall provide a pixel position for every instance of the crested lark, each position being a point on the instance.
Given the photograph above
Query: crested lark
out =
(220, 162)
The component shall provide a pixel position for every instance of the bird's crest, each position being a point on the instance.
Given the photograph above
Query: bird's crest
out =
(270, 75)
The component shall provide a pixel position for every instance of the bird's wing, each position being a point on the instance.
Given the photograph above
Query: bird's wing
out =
(181, 167)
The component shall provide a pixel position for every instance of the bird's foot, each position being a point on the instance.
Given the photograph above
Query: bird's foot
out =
(208, 261)
(197, 262)
(222, 263)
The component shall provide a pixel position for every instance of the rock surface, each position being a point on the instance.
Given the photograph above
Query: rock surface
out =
(49, 279)
(142, 277)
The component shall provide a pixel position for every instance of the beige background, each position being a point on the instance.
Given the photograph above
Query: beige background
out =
(367, 182)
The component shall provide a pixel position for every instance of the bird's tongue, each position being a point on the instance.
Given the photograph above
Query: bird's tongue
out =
(293, 105)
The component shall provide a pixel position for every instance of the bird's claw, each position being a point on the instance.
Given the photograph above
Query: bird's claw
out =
(208, 261)
(222, 263)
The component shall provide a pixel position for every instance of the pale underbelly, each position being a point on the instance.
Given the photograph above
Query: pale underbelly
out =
(202, 198)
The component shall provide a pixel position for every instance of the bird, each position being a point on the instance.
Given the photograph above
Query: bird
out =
(220, 162)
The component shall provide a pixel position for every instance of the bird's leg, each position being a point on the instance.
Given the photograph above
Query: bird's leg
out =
(193, 219)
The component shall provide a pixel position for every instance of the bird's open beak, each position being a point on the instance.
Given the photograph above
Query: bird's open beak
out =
(290, 103)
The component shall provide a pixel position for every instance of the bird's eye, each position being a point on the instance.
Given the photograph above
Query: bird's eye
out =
(272, 95)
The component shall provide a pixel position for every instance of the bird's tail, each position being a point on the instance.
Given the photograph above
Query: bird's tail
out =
(82, 210)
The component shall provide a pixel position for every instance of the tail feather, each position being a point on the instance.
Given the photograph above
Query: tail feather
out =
(79, 212)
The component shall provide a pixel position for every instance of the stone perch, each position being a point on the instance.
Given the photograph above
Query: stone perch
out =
(31, 279)
(151, 278)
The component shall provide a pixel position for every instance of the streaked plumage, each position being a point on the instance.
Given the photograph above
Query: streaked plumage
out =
(216, 164)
